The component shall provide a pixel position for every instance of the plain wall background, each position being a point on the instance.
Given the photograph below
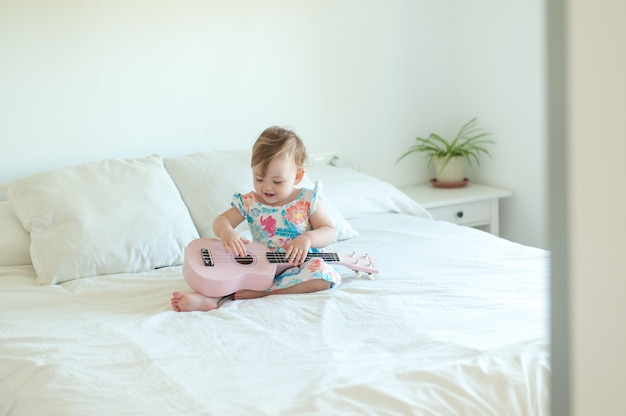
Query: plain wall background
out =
(87, 80)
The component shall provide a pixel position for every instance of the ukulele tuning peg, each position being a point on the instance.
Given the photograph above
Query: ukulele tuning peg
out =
(370, 276)
(357, 274)
(353, 254)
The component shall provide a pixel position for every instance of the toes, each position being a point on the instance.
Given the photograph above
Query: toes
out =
(174, 303)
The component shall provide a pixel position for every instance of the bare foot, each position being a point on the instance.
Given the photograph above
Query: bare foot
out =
(250, 294)
(187, 302)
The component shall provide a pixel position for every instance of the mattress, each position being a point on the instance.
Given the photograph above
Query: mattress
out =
(455, 323)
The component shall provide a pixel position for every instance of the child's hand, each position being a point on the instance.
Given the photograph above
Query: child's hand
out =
(298, 249)
(236, 243)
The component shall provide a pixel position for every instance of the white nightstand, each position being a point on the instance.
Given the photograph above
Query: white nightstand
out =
(474, 205)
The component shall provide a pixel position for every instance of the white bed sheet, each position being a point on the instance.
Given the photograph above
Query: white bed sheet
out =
(455, 324)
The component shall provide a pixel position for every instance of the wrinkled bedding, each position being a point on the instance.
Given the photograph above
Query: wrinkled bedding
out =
(456, 323)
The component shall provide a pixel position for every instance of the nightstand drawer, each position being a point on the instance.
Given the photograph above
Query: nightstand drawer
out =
(471, 213)
(473, 205)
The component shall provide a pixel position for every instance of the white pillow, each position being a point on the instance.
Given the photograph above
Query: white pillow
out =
(356, 194)
(111, 216)
(207, 182)
(343, 229)
(14, 240)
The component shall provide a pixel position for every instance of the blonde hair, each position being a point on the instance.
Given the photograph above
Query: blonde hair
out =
(275, 141)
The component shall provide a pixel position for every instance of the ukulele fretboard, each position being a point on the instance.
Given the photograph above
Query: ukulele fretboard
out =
(279, 257)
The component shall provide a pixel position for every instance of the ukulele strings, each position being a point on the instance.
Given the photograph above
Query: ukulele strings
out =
(271, 256)
(279, 257)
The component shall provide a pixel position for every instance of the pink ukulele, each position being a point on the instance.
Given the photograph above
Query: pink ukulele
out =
(210, 270)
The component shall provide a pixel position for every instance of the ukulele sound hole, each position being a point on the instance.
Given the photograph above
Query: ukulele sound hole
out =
(244, 260)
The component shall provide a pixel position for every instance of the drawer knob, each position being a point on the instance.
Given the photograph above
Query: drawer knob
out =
(459, 214)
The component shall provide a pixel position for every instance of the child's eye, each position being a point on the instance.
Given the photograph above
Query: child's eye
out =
(258, 179)
(277, 182)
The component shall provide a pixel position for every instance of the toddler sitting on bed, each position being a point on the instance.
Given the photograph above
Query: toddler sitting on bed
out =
(281, 216)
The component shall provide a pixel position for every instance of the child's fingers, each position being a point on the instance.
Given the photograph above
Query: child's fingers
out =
(295, 255)
(237, 247)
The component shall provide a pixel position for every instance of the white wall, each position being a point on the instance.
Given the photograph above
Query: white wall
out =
(500, 77)
(85, 80)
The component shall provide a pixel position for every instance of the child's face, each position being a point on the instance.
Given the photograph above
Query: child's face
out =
(277, 185)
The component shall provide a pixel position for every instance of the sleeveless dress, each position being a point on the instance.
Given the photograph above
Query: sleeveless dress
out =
(276, 226)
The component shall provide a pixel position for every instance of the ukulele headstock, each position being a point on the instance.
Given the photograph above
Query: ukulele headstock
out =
(360, 263)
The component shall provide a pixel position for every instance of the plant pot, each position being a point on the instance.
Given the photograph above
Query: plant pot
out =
(453, 171)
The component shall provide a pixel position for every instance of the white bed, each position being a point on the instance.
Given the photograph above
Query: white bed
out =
(454, 324)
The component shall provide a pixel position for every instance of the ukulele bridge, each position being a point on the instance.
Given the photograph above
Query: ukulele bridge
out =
(206, 257)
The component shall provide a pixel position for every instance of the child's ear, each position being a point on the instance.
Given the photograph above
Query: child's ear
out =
(299, 175)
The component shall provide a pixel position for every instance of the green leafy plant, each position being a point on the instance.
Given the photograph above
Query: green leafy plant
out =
(469, 142)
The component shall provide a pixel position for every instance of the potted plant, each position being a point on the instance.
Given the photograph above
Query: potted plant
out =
(450, 156)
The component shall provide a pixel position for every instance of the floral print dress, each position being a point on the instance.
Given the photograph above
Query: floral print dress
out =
(277, 226)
